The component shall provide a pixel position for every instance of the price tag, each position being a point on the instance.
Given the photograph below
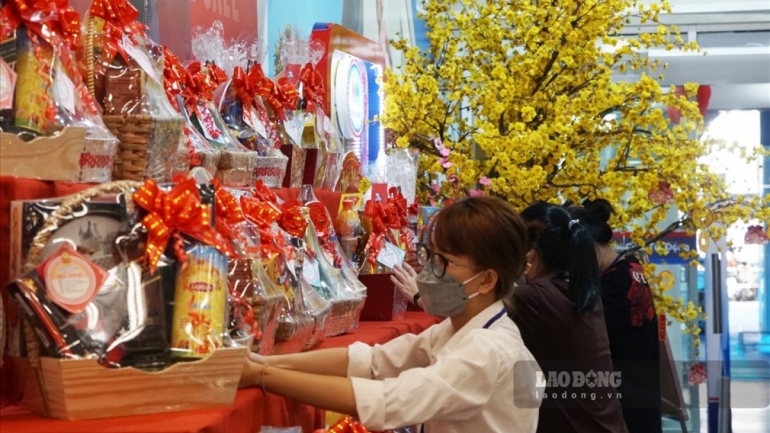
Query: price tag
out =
(390, 255)
(140, 57)
(64, 90)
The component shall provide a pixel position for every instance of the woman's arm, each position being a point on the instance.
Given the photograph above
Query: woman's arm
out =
(329, 362)
(325, 392)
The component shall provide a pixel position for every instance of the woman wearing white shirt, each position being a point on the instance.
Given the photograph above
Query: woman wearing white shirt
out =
(456, 376)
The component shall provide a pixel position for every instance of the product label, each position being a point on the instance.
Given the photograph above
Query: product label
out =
(72, 280)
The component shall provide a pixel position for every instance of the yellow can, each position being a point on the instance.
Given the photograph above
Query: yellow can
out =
(33, 88)
(200, 303)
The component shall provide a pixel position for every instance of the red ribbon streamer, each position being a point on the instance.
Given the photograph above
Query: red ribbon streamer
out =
(263, 215)
(228, 213)
(313, 86)
(376, 215)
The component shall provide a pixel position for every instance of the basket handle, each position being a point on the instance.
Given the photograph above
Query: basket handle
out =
(44, 234)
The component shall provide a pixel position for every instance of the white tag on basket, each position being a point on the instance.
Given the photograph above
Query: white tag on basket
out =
(64, 90)
(293, 129)
(252, 119)
(310, 271)
(140, 57)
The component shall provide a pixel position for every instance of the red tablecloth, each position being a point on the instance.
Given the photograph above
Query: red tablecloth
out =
(249, 412)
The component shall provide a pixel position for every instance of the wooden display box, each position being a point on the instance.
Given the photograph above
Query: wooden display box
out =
(44, 158)
(383, 300)
(82, 389)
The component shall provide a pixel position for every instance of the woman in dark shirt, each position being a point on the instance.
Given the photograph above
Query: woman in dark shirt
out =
(630, 317)
(560, 316)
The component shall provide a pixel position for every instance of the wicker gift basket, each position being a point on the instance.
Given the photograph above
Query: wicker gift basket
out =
(146, 126)
(75, 389)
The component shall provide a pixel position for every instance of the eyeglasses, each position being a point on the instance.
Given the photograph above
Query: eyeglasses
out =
(437, 262)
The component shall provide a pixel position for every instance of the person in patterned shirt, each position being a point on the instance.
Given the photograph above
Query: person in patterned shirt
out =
(629, 314)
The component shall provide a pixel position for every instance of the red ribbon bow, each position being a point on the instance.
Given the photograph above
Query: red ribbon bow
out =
(178, 211)
(246, 85)
(200, 82)
(263, 215)
(291, 220)
(313, 86)
(120, 17)
(323, 226)
(262, 192)
(217, 75)
(53, 20)
(285, 97)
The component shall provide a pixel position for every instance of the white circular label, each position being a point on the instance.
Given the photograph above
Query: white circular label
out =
(70, 281)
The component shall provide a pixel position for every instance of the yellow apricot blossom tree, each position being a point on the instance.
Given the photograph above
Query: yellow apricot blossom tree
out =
(522, 99)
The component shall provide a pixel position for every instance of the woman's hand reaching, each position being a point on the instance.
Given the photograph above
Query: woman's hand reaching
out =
(404, 278)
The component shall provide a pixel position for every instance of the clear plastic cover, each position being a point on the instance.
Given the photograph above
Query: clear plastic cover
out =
(126, 68)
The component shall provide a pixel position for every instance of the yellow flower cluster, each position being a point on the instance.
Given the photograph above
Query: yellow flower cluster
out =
(526, 94)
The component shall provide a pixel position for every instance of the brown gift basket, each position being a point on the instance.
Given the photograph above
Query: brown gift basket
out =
(75, 389)
(146, 142)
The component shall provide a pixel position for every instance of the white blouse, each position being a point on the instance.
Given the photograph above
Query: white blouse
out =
(452, 381)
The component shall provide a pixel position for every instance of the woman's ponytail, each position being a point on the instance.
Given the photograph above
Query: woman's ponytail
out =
(584, 277)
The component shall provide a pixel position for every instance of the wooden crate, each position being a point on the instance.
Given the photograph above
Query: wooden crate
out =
(44, 158)
(82, 389)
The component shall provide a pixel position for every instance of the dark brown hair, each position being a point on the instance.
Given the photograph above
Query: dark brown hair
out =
(565, 246)
(489, 232)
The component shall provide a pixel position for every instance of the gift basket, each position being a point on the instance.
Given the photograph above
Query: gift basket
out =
(194, 150)
(92, 331)
(125, 72)
(295, 227)
(51, 99)
(247, 277)
(237, 162)
(278, 272)
(328, 267)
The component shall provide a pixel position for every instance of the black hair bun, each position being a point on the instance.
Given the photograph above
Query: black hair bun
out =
(600, 209)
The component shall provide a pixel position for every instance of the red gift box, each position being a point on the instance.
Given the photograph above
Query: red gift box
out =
(383, 300)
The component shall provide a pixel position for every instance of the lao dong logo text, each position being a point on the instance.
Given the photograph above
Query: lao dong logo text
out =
(578, 385)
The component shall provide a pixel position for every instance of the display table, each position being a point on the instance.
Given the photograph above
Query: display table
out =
(251, 408)
(249, 412)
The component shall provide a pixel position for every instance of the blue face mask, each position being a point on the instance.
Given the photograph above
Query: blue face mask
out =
(445, 296)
